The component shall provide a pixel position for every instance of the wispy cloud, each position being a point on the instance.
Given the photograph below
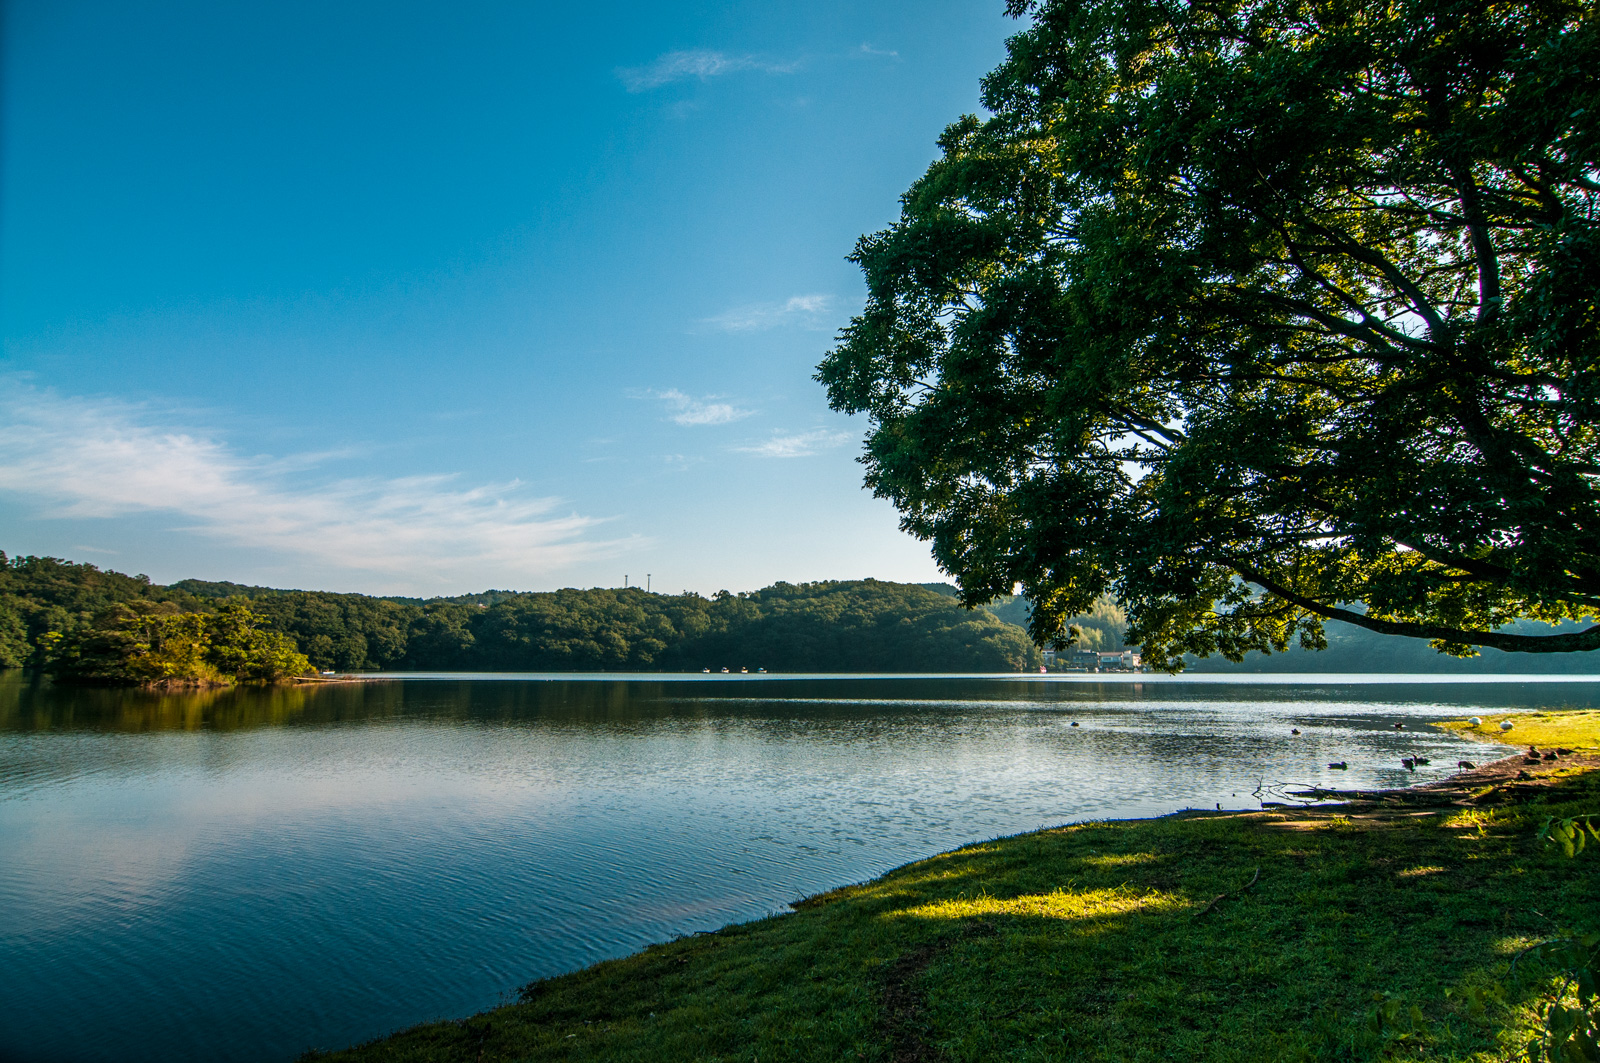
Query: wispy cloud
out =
(681, 462)
(695, 64)
(797, 444)
(92, 458)
(808, 311)
(869, 51)
(689, 411)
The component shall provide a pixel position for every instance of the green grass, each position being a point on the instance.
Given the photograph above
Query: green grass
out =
(1574, 728)
(1366, 935)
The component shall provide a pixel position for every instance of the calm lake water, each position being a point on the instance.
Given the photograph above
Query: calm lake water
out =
(245, 875)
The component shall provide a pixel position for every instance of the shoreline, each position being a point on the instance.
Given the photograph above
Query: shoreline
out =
(931, 960)
(1072, 678)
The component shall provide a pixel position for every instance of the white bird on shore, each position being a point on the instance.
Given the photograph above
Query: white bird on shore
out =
(1505, 725)
(1476, 721)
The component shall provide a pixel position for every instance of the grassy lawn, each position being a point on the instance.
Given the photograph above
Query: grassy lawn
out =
(1573, 728)
(1369, 932)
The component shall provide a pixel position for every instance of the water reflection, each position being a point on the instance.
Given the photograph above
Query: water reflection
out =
(244, 874)
(35, 704)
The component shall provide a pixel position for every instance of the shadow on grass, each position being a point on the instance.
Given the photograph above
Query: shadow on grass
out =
(1375, 935)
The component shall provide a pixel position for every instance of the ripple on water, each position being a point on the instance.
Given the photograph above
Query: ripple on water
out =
(252, 876)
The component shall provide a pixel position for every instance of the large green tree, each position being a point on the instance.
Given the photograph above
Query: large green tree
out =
(1253, 315)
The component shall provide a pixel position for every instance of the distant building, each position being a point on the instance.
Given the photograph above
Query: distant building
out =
(1118, 661)
(1072, 659)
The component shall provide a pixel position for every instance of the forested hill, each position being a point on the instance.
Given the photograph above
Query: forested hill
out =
(1354, 649)
(855, 626)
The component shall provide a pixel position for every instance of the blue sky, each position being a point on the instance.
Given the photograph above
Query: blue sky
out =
(424, 299)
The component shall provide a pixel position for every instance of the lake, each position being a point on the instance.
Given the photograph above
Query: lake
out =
(244, 875)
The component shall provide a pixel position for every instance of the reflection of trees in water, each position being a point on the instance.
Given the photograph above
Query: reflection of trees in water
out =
(28, 704)
(36, 705)
(32, 704)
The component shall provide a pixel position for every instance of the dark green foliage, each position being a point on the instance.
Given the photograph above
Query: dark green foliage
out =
(44, 594)
(15, 646)
(1571, 1031)
(201, 588)
(847, 626)
(344, 632)
(1291, 293)
(863, 625)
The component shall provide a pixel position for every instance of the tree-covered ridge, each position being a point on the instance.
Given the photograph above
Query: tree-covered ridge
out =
(867, 625)
(845, 626)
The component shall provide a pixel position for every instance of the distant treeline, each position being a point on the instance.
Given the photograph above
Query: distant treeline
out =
(855, 626)
(864, 625)
(1355, 649)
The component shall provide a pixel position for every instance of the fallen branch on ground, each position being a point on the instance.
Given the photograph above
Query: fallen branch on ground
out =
(1230, 893)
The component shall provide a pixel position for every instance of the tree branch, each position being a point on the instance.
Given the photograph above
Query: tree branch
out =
(1587, 639)
(1482, 246)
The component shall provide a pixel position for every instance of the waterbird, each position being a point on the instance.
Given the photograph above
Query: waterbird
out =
(1399, 727)
(1339, 765)
(1476, 721)
(1465, 764)
(1564, 751)
(1408, 763)
(1505, 725)
(1074, 723)
(1421, 760)
(1551, 755)
(1294, 730)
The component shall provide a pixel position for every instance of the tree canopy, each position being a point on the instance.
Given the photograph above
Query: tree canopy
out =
(1254, 314)
(157, 644)
(858, 625)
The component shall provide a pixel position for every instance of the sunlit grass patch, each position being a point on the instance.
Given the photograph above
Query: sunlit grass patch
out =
(1573, 728)
(1478, 820)
(1514, 945)
(1110, 860)
(1057, 904)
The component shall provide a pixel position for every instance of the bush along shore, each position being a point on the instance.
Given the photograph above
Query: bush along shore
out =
(1432, 923)
(158, 646)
